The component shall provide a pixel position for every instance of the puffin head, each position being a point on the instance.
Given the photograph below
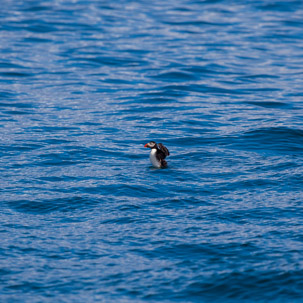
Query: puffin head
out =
(151, 144)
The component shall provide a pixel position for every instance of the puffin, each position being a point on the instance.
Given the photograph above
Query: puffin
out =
(157, 154)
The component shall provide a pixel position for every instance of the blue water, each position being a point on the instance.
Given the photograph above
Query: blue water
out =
(83, 215)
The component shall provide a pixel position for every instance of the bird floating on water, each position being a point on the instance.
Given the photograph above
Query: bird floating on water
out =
(157, 154)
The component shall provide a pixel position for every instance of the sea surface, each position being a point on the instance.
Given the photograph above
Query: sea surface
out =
(84, 217)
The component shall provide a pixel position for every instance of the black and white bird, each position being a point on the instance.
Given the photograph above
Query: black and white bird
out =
(157, 154)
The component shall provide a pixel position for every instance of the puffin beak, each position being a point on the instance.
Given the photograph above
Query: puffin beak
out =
(145, 145)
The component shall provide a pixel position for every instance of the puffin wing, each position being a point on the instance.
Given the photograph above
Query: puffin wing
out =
(163, 149)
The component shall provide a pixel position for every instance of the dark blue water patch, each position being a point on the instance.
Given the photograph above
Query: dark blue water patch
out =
(283, 6)
(56, 130)
(272, 138)
(229, 286)
(118, 81)
(175, 76)
(257, 78)
(6, 95)
(285, 139)
(150, 108)
(251, 184)
(33, 7)
(13, 104)
(271, 104)
(10, 65)
(293, 23)
(36, 40)
(47, 206)
(39, 27)
(278, 139)
(207, 89)
(15, 74)
(204, 70)
(262, 216)
(147, 100)
(199, 23)
(4, 272)
(16, 112)
(19, 148)
(53, 159)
